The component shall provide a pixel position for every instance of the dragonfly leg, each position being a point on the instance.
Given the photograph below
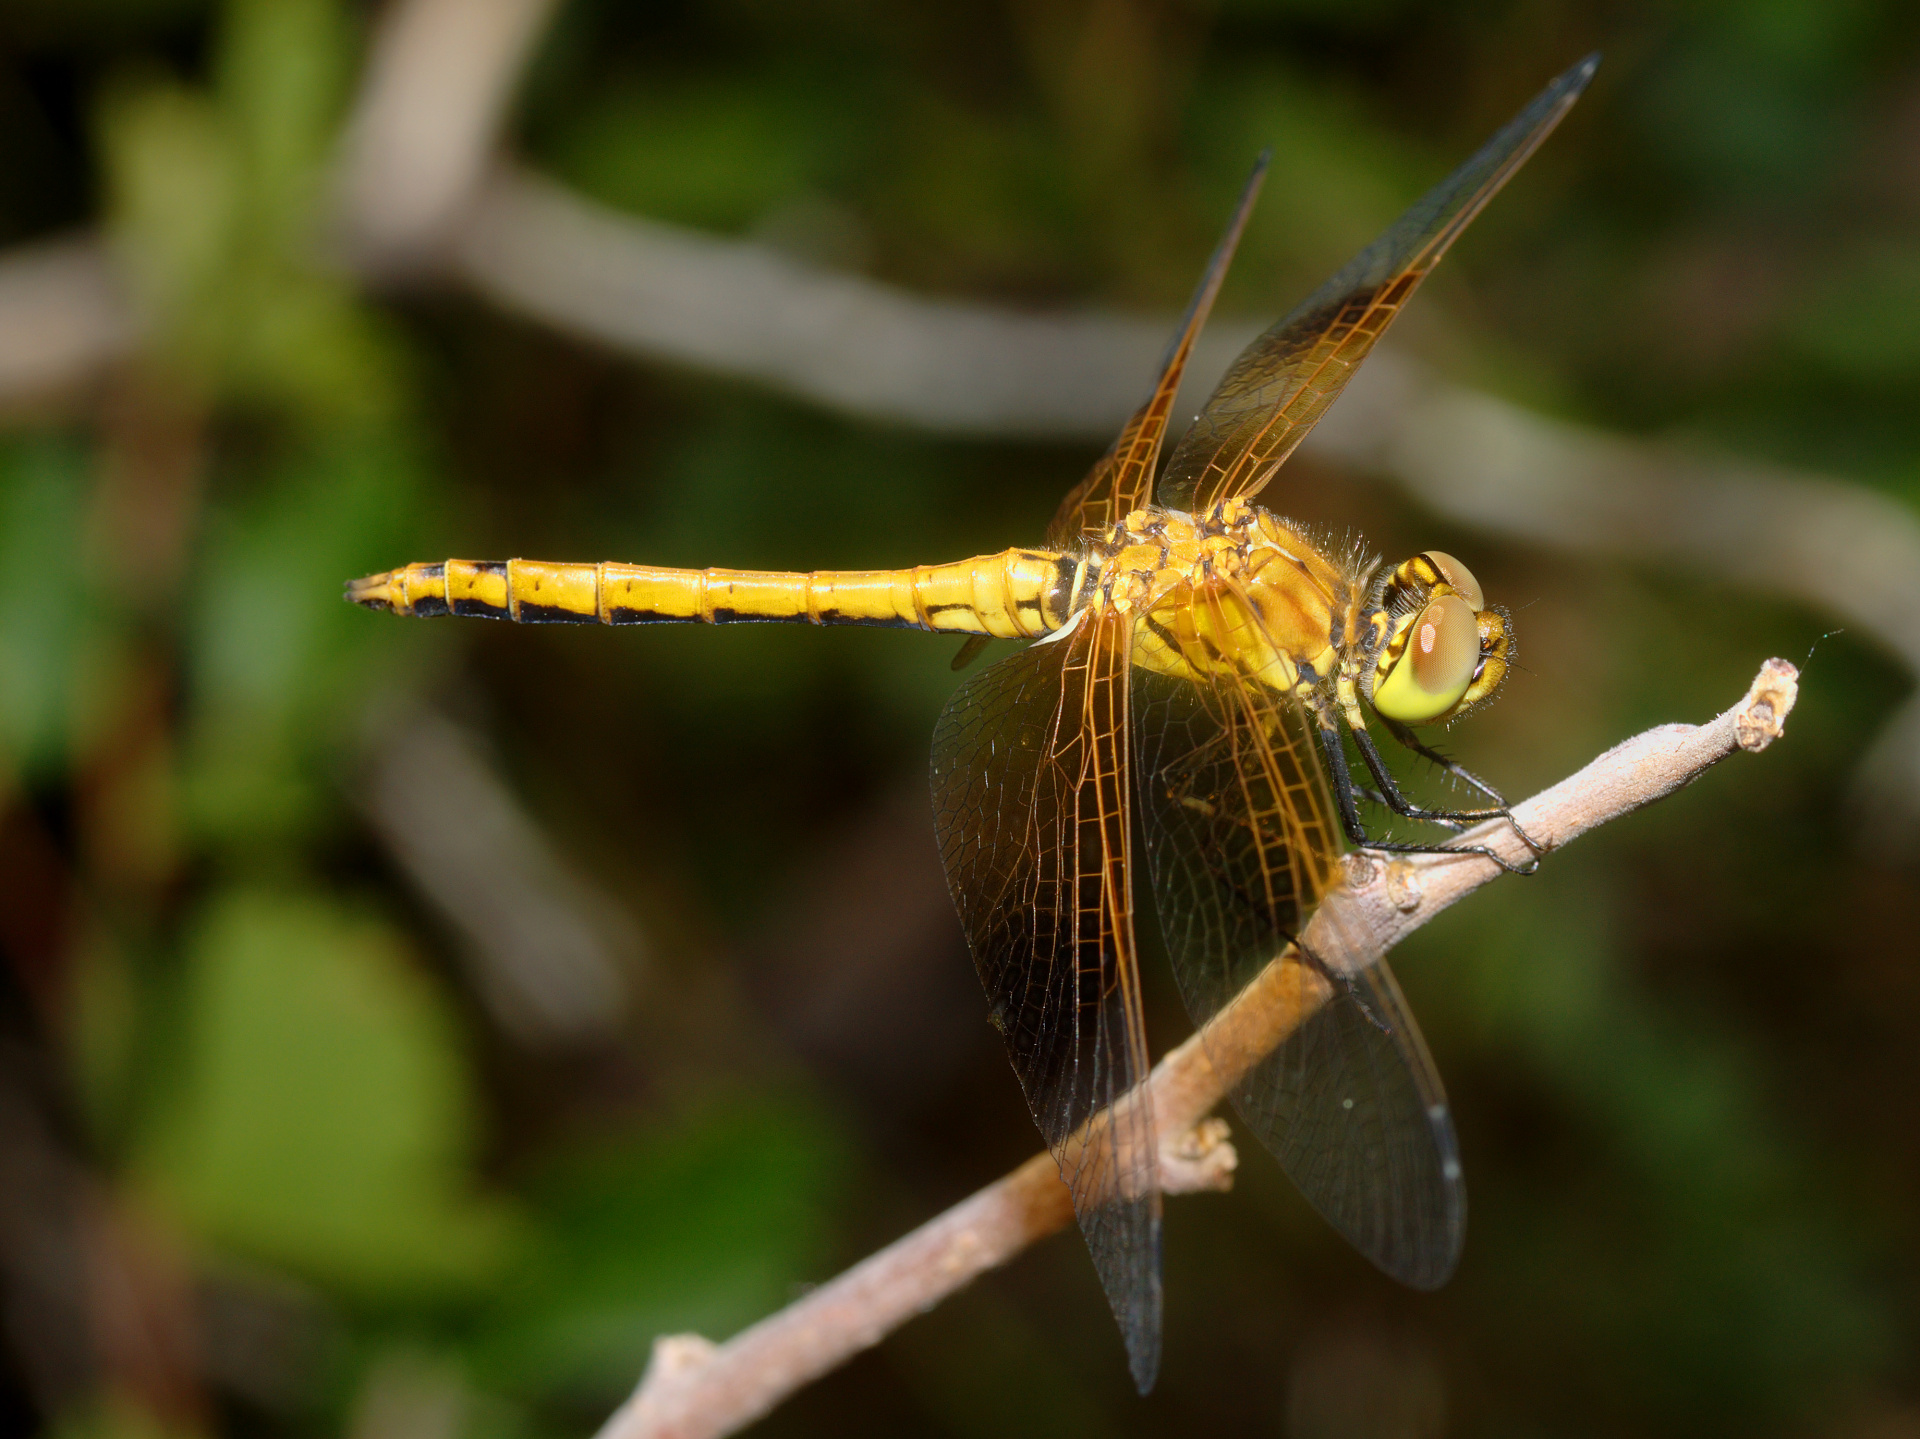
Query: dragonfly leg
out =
(970, 651)
(1345, 794)
(1367, 794)
(1401, 805)
(1410, 740)
(1406, 808)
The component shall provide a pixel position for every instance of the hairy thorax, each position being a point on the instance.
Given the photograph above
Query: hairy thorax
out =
(1233, 590)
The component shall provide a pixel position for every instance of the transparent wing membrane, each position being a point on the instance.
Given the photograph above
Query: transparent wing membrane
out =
(1288, 378)
(1351, 1106)
(1333, 1076)
(1031, 805)
(1121, 481)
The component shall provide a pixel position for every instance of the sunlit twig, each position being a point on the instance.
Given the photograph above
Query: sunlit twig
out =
(694, 1389)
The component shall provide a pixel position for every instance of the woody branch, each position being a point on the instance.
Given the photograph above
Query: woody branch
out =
(694, 1389)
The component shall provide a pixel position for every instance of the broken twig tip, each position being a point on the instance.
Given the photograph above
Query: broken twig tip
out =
(1202, 1158)
(1762, 716)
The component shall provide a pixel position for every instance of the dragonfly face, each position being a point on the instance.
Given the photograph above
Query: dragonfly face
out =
(1444, 652)
(1202, 667)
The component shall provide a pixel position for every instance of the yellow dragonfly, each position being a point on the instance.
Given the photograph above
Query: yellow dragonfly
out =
(1199, 667)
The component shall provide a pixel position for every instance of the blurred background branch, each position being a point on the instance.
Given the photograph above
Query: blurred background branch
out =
(861, 348)
(63, 319)
(552, 956)
(438, 79)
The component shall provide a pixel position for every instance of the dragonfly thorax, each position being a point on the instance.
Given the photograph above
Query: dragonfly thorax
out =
(1240, 589)
(1234, 589)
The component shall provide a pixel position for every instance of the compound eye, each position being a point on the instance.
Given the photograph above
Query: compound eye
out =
(1435, 665)
(1459, 576)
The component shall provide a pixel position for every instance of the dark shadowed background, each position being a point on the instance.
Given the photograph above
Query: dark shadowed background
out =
(402, 1023)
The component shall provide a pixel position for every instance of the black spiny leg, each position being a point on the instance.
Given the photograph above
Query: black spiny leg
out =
(1399, 803)
(1341, 775)
(1409, 740)
(1367, 794)
(1406, 737)
(1343, 798)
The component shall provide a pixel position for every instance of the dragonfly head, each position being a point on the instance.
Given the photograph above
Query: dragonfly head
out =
(1446, 650)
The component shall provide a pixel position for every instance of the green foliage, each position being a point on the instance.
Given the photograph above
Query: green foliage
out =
(280, 669)
(1321, 147)
(1861, 324)
(1738, 1289)
(321, 1117)
(718, 152)
(213, 198)
(44, 598)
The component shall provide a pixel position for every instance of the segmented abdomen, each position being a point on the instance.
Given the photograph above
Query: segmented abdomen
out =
(1016, 594)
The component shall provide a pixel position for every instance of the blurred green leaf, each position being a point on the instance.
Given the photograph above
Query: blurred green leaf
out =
(1756, 105)
(115, 1417)
(1325, 146)
(322, 1117)
(716, 151)
(1863, 323)
(281, 664)
(174, 202)
(215, 203)
(42, 596)
(104, 1039)
(284, 75)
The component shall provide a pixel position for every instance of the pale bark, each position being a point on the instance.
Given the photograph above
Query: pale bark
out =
(695, 1389)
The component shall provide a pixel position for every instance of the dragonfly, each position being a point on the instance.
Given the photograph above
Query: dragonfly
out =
(1198, 668)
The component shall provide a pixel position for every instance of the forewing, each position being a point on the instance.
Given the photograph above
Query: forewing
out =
(1332, 1073)
(1285, 381)
(1031, 802)
(1121, 481)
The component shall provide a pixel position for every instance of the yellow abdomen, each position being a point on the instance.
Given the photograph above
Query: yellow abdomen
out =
(1017, 594)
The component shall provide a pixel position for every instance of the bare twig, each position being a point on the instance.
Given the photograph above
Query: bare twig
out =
(852, 344)
(64, 317)
(694, 1389)
(425, 126)
(551, 955)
